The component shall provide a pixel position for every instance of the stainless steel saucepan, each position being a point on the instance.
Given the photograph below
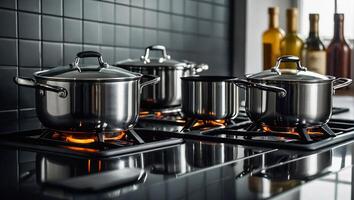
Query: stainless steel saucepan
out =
(87, 98)
(215, 97)
(308, 101)
(167, 93)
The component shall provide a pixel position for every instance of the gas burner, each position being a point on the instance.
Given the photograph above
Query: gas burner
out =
(305, 134)
(207, 125)
(89, 144)
(86, 138)
(160, 113)
(244, 132)
(166, 117)
(203, 126)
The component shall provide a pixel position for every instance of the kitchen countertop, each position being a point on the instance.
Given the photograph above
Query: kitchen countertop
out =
(202, 170)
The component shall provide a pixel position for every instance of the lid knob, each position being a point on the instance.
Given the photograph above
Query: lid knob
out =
(88, 54)
(288, 58)
(145, 58)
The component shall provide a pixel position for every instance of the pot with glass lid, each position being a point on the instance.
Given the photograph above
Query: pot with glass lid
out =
(167, 93)
(86, 98)
(308, 101)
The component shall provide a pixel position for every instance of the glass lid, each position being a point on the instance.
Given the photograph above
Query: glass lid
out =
(147, 60)
(300, 74)
(100, 72)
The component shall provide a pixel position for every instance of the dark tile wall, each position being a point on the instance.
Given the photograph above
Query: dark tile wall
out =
(38, 34)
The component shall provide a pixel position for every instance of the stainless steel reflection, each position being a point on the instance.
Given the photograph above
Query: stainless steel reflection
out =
(109, 103)
(209, 97)
(201, 154)
(170, 161)
(89, 105)
(52, 168)
(282, 177)
(307, 103)
(168, 92)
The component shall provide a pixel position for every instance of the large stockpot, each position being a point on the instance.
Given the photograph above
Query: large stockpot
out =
(167, 93)
(308, 101)
(214, 97)
(87, 98)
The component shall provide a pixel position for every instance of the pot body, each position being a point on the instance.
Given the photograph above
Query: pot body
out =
(208, 99)
(168, 92)
(305, 105)
(89, 105)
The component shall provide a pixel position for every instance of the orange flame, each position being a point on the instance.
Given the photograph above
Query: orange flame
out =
(120, 136)
(206, 124)
(291, 130)
(72, 139)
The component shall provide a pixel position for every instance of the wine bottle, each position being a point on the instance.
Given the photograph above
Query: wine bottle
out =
(271, 39)
(314, 51)
(291, 44)
(338, 51)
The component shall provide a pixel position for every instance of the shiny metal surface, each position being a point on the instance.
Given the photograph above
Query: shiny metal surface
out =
(308, 101)
(304, 105)
(201, 155)
(89, 105)
(109, 104)
(168, 92)
(208, 99)
(51, 168)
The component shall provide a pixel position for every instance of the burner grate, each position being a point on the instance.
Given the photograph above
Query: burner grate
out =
(238, 134)
(40, 140)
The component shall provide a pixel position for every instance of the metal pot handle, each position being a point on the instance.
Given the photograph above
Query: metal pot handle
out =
(244, 84)
(341, 82)
(200, 67)
(29, 82)
(145, 58)
(153, 80)
(288, 58)
(88, 54)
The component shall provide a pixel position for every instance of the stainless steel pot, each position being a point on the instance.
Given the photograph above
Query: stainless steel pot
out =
(308, 101)
(214, 97)
(87, 98)
(168, 92)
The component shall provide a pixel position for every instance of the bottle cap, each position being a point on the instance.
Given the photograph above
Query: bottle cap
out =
(314, 16)
(291, 12)
(273, 10)
(339, 16)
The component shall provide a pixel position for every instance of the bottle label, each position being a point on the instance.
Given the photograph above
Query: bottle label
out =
(267, 55)
(315, 61)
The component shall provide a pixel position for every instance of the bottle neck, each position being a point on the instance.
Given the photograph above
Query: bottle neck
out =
(338, 30)
(314, 29)
(273, 21)
(291, 24)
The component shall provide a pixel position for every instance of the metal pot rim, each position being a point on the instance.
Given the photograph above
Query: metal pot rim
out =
(156, 66)
(38, 75)
(210, 78)
(330, 79)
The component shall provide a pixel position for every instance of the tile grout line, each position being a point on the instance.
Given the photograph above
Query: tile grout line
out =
(63, 32)
(115, 59)
(18, 62)
(82, 25)
(41, 37)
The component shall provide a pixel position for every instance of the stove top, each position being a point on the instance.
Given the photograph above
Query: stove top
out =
(239, 134)
(73, 145)
(241, 131)
(166, 158)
